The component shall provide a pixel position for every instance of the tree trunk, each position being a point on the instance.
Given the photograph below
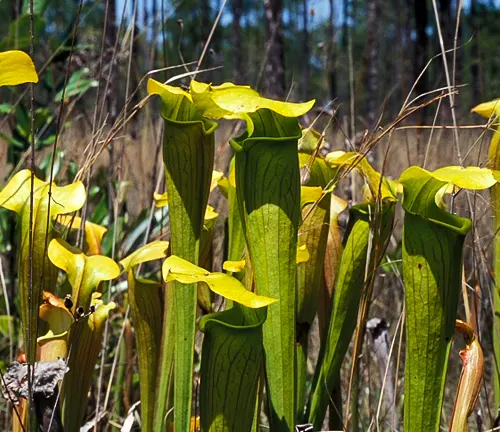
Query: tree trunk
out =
(111, 24)
(403, 38)
(145, 16)
(205, 21)
(136, 51)
(275, 49)
(154, 34)
(370, 64)
(237, 10)
(14, 10)
(445, 21)
(330, 60)
(477, 96)
(306, 74)
(421, 44)
(345, 31)
(110, 39)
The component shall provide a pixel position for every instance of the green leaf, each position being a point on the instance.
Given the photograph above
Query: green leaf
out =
(487, 110)
(188, 154)
(231, 363)
(6, 321)
(18, 36)
(313, 232)
(309, 141)
(205, 296)
(6, 108)
(420, 185)
(85, 346)
(38, 8)
(268, 192)
(346, 300)
(77, 84)
(146, 308)
(237, 243)
(266, 124)
(494, 162)
(319, 173)
(432, 269)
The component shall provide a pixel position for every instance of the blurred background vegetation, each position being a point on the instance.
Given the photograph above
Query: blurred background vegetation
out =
(297, 48)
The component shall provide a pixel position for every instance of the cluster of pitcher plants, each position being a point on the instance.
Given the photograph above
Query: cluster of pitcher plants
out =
(285, 264)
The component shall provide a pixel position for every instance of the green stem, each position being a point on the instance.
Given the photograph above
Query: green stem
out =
(188, 154)
(494, 163)
(268, 188)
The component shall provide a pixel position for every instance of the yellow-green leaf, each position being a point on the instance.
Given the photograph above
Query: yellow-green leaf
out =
(93, 232)
(223, 184)
(245, 100)
(152, 251)
(230, 101)
(37, 219)
(217, 176)
(472, 177)
(146, 310)
(338, 205)
(310, 194)
(161, 200)
(65, 199)
(178, 106)
(372, 177)
(99, 317)
(309, 141)
(210, 215)
(54, 344)
(84, 272)
(17, 192)
(488, 109)
(302, 254)
(175, 268)
(234, 266)
(156, 87)
(55, 313)
(16, 67)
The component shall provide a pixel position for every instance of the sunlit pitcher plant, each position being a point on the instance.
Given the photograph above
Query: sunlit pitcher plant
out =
(284, 265)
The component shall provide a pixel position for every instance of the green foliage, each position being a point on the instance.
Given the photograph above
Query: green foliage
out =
(351, 279)
(432, 267)
(231, 365)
